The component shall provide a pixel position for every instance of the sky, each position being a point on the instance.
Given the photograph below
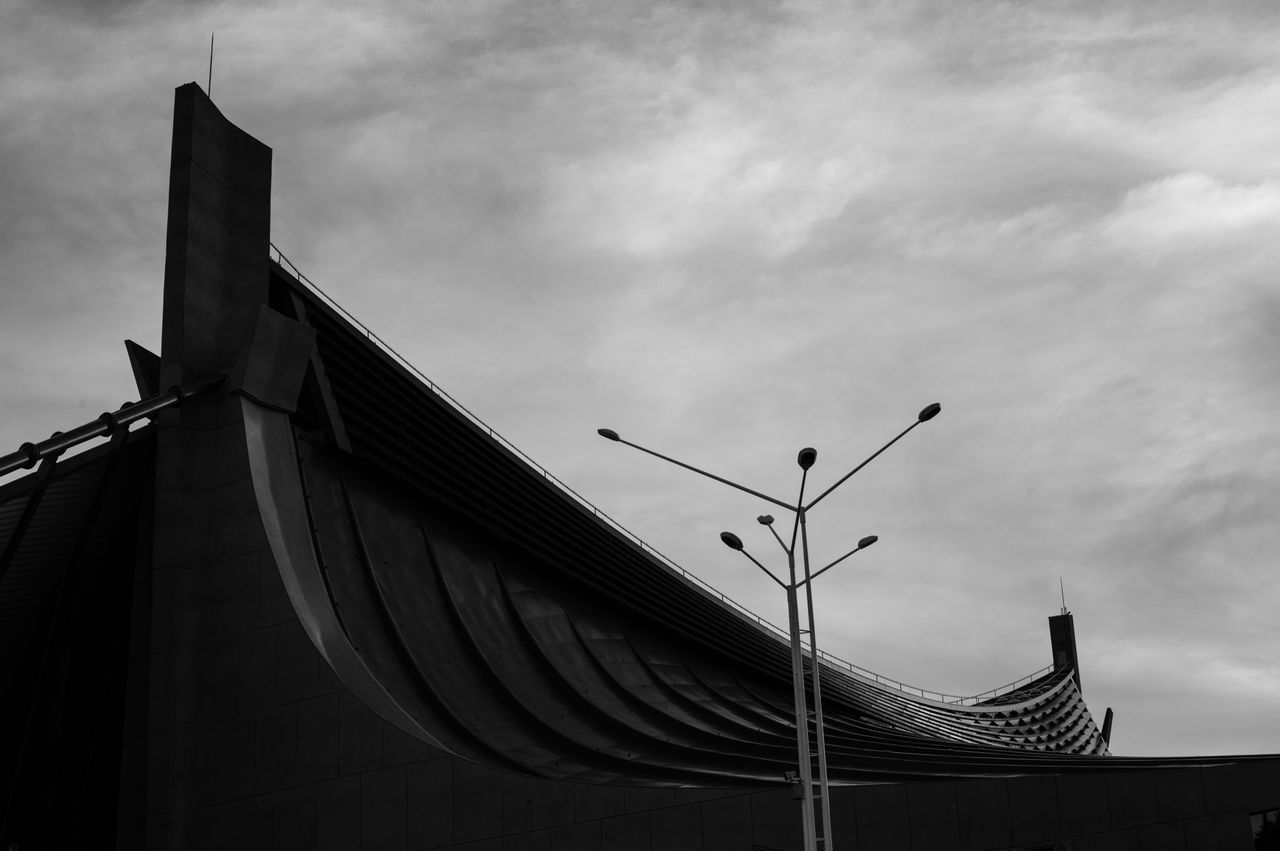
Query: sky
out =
(732, 230)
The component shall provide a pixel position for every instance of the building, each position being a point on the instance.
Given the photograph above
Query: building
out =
(295, 598)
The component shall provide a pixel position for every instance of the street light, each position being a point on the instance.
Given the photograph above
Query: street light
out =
(862, 545)
(805, 459)
(797, 687)
(797, 671)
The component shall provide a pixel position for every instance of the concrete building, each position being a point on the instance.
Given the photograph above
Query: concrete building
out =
(294, 597)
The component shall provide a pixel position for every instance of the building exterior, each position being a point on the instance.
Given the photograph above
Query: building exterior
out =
(295, 598)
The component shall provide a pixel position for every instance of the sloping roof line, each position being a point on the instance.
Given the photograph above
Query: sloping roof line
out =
(283, 265)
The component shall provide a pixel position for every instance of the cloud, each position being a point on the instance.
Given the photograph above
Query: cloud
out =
(716, 177)
(1188, 211)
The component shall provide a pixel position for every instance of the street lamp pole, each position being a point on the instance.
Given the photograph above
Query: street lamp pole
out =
(802, 512)
(823, 784)
(805, 765)
(805, 459)
(817, 684)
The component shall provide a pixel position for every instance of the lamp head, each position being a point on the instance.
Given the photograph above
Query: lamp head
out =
(608, 432)
(731, 540)
(806, 457)
(929, 412)
(868, 541)
(765, 519)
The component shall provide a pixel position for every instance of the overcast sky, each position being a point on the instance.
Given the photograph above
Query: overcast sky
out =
(731, 230)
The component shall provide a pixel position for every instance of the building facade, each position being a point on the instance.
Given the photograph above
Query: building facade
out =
(295, 598)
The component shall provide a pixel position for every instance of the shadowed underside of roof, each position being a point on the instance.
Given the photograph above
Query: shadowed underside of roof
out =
(69, 600)
(52, 520)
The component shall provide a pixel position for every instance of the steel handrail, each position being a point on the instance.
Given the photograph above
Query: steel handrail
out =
(30, 454)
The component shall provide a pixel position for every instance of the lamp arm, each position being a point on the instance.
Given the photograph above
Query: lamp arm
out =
(873, 457)
(818, 573)
(778, 538)
(724, 481)
(767, 571)
(799, 510)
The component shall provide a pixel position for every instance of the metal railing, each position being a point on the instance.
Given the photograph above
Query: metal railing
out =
(109, 423)
(834, 661)
(928, 694)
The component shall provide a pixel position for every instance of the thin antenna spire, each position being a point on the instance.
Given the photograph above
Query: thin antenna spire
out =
(208, 90)
(1062, 589)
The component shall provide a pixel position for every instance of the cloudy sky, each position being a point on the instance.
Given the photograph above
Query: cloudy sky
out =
(731, 230)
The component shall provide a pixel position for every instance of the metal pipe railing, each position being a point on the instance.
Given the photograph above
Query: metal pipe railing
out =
(29, 454)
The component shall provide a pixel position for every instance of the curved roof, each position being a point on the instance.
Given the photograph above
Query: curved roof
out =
(475, 604)
(510, 623)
